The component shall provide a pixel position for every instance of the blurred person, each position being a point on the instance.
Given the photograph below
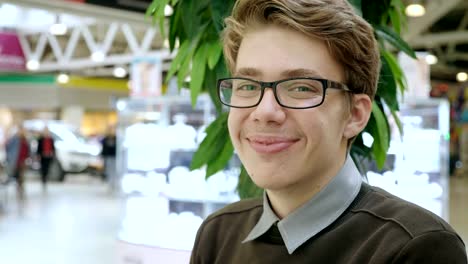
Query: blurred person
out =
(108, 153)
(17, 151)
(463, 149)
(46, 153)
(305, 73)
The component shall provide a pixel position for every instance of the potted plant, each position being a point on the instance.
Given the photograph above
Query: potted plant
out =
(196, 26)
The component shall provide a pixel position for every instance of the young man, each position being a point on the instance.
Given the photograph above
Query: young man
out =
(304, 76)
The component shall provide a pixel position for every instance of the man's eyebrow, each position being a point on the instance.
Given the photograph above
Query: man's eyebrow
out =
(249, 72)
(300, 73)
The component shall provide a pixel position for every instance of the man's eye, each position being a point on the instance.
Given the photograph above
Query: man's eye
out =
(301, 89)
(247, 87)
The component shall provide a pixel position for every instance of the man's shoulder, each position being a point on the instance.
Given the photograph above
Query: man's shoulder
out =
(238, 209)
(413, 219)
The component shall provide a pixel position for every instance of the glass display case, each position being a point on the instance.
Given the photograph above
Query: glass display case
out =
(165, 202)
(421, 156)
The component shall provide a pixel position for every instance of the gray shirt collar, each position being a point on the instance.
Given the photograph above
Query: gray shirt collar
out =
(316, 214)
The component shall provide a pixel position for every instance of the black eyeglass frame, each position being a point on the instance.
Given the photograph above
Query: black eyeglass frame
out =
(325, 84)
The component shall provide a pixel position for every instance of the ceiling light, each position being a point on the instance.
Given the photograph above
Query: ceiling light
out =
(415, 10)
(120, 72)
(431, 59)
(97, 56)
(462, 77)
(63, 78)
(168, 11)
(121, 105)
(32, 65)
(58, 29)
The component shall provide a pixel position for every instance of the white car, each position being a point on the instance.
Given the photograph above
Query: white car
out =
(73, 153)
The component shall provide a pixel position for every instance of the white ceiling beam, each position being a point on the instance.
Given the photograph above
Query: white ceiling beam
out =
(110, 36)
(457, 56)
(132, 41)
(130, 37)
(436, 39)
(72, 43)
(89, 39)
(434, 11)
(147, 39)
(446, 69)
(101, 14)
(25, 45)
(56, 49)
(461, 27)
(76, 64)
(40, 47)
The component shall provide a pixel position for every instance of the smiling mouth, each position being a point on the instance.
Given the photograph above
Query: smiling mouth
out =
(270, 145)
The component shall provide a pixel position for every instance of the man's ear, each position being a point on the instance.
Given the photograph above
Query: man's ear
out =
(360, 113)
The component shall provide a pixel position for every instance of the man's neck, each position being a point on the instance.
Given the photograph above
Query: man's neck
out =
(284, 202)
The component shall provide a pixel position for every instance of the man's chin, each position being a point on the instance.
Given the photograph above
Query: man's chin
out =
(267, 182)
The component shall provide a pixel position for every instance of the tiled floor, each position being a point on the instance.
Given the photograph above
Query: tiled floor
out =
(77, 222)
(459, 206)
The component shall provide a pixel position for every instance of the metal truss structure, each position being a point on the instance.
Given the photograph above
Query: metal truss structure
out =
(120, 44)
(442, 30)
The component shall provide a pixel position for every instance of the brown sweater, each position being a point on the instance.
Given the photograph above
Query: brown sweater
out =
(376, 228)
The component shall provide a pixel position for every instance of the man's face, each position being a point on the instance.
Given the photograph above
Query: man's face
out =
(285, 148)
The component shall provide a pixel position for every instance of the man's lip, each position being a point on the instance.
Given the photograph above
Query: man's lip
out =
(270, 144)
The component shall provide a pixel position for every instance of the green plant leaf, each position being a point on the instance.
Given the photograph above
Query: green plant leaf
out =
(387, 89)
(393, 38)
(396, 69)
(220, 71)
(397, 122)
(191, 17)
(151, 10)
(378, 126)
(219, 11)
(357, 6)
(222, 159)
(184, 69)
(246, 188)
(399, 7)
(214, 54)
(395, 19)
(156, 9)
(212, 145)
(189, 20)
(175, 31)
(176, 62)
(209, 85)
(198, 71)
(373, 10)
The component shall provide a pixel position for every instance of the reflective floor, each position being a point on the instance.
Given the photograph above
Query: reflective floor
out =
(77, 222)
(459, 206)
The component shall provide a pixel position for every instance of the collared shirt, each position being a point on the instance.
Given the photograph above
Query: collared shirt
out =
(316, 214)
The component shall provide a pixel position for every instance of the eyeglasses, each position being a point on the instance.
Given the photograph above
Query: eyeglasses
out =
(295, 93)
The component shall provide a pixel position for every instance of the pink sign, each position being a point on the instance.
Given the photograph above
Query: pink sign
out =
(11, 54)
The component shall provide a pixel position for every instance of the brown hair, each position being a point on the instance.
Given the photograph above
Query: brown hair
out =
(349, 37)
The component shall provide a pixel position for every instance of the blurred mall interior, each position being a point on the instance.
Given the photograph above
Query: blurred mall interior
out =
(91, 72)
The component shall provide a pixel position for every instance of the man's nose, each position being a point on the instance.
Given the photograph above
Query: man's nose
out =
(269, 110)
